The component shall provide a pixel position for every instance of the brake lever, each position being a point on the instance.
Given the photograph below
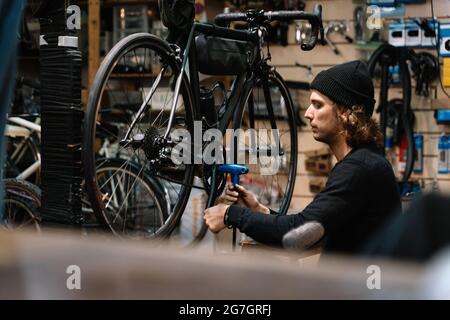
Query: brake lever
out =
(321, 29)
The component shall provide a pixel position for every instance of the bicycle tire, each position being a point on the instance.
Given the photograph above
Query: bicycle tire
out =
(105, 74)
(396, 56)
(283, 207)
(283, 180)
(23, 198)
(405, 79)
(150, 204)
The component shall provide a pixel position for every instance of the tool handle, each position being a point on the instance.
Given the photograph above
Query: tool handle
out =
(235, 179)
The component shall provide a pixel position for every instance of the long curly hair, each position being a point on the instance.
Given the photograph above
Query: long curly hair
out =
(358, 129)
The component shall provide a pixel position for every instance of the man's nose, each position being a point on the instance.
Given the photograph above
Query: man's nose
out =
(309, 113)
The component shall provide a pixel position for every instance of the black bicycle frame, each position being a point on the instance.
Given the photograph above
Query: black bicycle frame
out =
(241, 82)
(241, 88)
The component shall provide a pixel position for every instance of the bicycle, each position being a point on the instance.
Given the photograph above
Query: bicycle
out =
(22, 203)
(22, 132)
(150, 204)
(22, 137)
(167, 98)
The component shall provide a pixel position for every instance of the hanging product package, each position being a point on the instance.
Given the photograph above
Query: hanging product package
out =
(219, 56)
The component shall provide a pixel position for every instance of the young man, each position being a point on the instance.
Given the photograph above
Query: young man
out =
(361, 191)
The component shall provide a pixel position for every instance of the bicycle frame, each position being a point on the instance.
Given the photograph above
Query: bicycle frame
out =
(242, 85)
(24, 129)
(156, 142)
(189, 56)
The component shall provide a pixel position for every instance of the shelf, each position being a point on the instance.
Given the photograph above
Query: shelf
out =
(442, 103)
(368, 46)
(94, 23)
(133, 75)
(110, 3)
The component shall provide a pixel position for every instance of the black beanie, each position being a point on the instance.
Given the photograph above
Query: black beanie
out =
(347, 84)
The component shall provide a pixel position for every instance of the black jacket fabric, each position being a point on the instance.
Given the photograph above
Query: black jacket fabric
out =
(360, 194)
(418, 234)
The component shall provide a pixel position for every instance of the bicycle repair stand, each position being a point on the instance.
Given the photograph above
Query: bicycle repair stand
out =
(235, 170)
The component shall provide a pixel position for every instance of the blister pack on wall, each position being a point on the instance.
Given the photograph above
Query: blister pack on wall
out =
(444, 39)
(429, 36)
(397, 34)
(413, 36)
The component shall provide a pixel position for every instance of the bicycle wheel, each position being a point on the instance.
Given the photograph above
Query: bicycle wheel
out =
(271, 154)
(136, 204)
(22, 205)
(139, 74)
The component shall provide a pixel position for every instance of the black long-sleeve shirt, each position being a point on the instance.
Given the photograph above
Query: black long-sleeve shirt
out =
(361, 192)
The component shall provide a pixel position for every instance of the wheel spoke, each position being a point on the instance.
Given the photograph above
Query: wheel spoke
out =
(131, 206)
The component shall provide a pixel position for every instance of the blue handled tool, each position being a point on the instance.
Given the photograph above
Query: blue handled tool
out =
(235, 170)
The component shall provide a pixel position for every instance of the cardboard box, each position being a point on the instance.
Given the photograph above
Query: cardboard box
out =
(316, 185)
(318, 153)
(318, 161)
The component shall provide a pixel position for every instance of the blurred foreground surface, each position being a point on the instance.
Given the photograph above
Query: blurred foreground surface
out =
(36, 267)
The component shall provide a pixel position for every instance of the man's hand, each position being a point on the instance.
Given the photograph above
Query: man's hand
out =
(214, 217)
(244, 198)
